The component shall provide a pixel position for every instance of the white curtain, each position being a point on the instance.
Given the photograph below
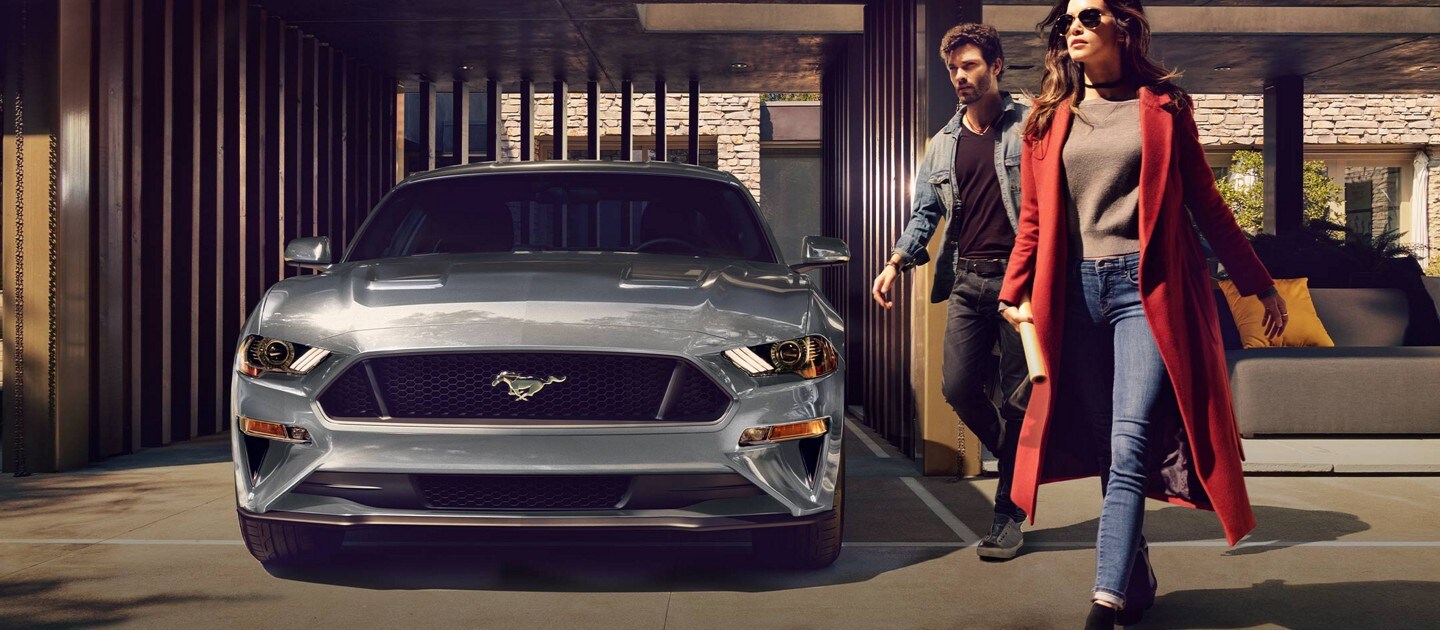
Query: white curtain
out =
(1420, 208)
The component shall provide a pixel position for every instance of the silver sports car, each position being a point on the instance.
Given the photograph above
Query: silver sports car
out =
(542, 345)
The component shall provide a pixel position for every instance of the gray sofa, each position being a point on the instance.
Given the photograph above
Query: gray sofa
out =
(1369, 383)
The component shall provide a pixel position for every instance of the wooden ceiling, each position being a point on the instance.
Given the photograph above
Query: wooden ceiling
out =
(603, 40)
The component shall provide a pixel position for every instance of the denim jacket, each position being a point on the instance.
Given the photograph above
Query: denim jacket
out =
(934, 196)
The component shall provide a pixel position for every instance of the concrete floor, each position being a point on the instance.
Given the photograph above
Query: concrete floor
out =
(151, 541)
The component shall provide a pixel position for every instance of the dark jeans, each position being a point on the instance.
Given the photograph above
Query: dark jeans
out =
(968, 374)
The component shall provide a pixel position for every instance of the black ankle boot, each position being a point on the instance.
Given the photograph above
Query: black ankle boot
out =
(1101, 618)
(1130, 616)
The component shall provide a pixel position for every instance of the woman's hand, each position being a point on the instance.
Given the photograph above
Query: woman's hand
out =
(1276, 316)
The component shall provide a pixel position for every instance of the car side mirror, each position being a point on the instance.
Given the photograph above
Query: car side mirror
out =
(312, 252)
(821, 251)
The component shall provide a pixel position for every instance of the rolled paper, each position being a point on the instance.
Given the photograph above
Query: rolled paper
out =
(1031, 341)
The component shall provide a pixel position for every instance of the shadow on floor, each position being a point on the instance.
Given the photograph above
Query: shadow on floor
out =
(41, 604)
(585, 562)
(1390, 604)
(1178, 524)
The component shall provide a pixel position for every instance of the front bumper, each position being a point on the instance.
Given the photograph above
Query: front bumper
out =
(602, 522)
(794, 483)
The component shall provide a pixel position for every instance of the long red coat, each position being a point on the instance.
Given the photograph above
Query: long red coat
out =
(1196, 460)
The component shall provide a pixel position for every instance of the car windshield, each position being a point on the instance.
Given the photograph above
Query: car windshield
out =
(608, 212)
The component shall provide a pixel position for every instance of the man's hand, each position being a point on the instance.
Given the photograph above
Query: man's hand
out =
(1016, 317)
(880, 289)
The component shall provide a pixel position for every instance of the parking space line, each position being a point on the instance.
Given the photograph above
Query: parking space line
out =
(1328, 544)
(944, 513)
(865, 439)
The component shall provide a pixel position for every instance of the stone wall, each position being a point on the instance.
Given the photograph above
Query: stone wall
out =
(1329, 119)
(732, 119)
(1337, 119)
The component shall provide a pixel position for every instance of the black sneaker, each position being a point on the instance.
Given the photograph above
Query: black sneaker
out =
(1004, 540)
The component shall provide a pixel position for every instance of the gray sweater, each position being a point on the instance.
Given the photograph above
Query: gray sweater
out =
(1102, 175)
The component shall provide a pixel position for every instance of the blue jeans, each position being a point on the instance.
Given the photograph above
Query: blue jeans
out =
(1111, 351)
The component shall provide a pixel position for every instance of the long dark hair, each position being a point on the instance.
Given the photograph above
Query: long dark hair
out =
(1064, 80)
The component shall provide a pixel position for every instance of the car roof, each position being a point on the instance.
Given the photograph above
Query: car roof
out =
(575, 166)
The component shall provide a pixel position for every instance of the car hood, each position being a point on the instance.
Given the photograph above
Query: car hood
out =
(646, 301)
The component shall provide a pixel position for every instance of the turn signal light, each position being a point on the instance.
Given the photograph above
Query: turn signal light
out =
(781, 432)
(274, 431)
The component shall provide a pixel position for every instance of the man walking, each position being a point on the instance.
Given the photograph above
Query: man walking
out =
(971, 174)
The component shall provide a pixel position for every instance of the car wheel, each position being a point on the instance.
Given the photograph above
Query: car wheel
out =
(289, 543)
(812, 546)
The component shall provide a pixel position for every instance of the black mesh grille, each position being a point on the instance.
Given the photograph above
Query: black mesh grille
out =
(697, 399)
(572, 386)
(513, 492)
(351, 396)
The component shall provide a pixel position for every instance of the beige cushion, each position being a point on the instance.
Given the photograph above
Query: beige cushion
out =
(1363, 317)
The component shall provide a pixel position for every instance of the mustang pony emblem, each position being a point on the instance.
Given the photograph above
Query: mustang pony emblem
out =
(523, 387)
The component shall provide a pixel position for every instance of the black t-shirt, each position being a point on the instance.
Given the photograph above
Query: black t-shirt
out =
(983, 230)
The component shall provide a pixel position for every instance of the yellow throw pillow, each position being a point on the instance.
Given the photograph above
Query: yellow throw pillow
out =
(1303, 329)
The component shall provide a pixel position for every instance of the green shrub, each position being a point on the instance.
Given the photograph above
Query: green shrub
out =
(1247, 198)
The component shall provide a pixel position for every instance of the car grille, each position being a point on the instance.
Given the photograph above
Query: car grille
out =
(481, 492)
(458, 387)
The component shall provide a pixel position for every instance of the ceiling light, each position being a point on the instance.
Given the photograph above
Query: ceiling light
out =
(464, 67)
(739, 65)
(1222, 68)
(1427, 68)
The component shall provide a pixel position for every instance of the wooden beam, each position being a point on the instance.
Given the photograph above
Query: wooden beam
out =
(693, 156)
(427, 126)
(309, 171)
(460, 116)
(627, 120)
(75, 295)
(527, 120)
(560, 149)
(229, 231)
(113, 311)
(592, 120)
(493, 92)
(290, 171)
(254, 216)
(1284, 154)
(324, 139)
(660, 145)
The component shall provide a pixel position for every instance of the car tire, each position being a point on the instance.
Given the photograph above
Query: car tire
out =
(812, 546)
(285, 544)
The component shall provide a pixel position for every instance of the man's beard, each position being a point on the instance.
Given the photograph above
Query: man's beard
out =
(966, 97)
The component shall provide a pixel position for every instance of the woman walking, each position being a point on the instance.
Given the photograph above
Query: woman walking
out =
(1106, 253)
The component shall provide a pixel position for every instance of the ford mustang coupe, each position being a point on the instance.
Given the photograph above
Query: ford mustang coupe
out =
(546, 345)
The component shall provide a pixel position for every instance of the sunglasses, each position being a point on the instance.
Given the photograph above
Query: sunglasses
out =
(1090, 18)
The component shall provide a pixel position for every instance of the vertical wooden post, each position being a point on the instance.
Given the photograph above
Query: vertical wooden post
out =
(660, 144)
(1284, 155)
(527, 120)
(693, 156)
(427, 126)
(560, 126)
(460, 131)
(492, 120)
(627, 120)
(592, 120)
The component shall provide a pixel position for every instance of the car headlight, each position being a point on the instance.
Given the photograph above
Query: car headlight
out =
(810, 357)
(259, 355)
